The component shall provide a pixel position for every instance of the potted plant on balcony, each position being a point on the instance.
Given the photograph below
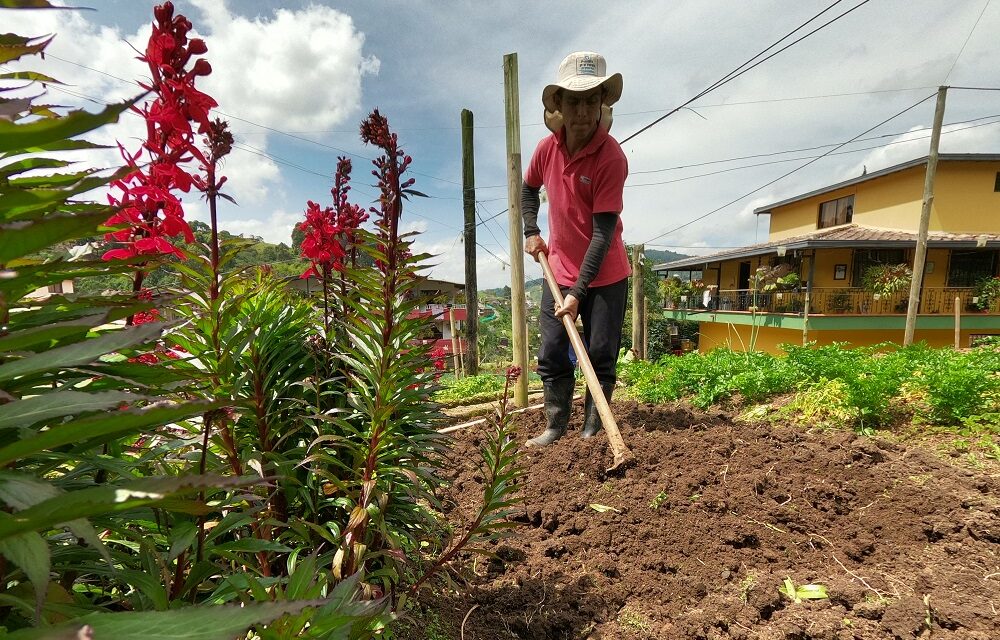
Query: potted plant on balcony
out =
(673, 288)
(986, 293)
(886, 279)
(840, 301)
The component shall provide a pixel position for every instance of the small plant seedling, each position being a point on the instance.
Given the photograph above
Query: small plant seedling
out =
(633, 619)
(802, 592)
(747, 584)
(660, 498)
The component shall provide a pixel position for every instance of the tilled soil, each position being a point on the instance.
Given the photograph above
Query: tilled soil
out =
(697, 538)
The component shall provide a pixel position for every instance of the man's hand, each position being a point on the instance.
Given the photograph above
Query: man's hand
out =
(533, 245)
(570, 307)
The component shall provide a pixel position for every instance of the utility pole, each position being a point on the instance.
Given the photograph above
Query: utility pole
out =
(517, 298)
(920, 255)
(471, 284)
(637, 301)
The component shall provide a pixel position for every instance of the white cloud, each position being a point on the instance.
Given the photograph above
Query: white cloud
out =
(292, 70)
(417, 226)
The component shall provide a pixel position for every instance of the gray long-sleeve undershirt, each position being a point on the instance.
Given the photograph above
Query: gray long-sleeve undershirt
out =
(600, 241)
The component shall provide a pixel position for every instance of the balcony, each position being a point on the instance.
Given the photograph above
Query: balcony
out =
(832, 301)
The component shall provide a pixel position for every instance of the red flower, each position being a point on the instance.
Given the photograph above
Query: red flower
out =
(148, 209)
(330, 231)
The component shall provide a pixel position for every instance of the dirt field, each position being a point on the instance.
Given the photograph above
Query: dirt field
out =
(703, 531)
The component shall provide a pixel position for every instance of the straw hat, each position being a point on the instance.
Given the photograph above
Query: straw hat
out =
(582, 71)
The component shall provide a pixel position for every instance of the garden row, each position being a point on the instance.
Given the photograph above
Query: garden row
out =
(867, 387)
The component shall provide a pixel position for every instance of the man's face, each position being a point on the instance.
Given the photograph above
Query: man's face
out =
(581, 111)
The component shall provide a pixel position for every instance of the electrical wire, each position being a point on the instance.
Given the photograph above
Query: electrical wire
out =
(801, 149)
(964, 44)
(832, 153)
(743, 68)
(785, 175)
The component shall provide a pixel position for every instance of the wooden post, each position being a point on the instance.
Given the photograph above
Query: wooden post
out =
(917, 283)
(517, 297)
(806, 305)
(645, 328)
(454, 342)
(958, 323)
(637, 301)
(471, 360)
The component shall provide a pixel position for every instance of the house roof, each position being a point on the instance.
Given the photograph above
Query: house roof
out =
(847, 235)
(944, 157)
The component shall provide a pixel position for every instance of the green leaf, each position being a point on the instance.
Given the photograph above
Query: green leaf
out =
(56, 145)
(81, 353)
(86, 503)
(13, 46)
(24, 237)
(192, 623)
(812, 592)
(20, 339)
(23, 413)
(252, 545)
(29, 552)
(85, 431)
(27, 75)
(21, 491)
(30, 164)
(19, 136)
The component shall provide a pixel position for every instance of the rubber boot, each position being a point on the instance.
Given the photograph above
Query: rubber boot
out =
(591, 418)
(558, 402)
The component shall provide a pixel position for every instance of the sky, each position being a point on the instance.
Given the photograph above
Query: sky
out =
(295, 79)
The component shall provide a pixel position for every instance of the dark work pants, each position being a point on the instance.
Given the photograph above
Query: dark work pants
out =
(603, 314)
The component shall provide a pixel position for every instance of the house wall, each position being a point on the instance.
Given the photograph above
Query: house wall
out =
(964, 199)
(713, 335)
(826, 262)
(964, 202)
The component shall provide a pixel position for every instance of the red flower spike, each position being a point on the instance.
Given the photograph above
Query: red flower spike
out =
(147, 203)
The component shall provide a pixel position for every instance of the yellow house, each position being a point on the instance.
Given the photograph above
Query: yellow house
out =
(807, 282)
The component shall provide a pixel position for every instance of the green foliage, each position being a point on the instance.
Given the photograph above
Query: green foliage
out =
(709, 378)
(469, 388)
(988, 292)
(866, 387)
(887, 279)
(111, 518)
(961, 385)
(823, 404)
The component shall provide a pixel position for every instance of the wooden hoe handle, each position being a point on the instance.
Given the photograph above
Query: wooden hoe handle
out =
(618, 448)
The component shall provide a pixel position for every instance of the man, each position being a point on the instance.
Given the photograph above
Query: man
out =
(583, 170)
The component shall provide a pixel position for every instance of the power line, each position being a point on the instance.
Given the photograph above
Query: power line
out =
(801, 149)
(639, 113)
(785, 175)
(251, 122)
(837, 153)
(243, 146)
(743, 68)
(964, 44)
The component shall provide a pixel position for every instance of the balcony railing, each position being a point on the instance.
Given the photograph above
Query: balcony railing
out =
(939, 300)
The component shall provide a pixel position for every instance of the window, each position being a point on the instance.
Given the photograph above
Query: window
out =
(56, 288)
(996, 185)
(967, 267)
(834, 212)
(865, 259)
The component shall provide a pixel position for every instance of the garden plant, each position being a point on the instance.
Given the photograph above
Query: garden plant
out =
(222, 455)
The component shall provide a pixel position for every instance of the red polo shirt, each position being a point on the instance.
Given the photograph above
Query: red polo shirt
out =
(591, 182)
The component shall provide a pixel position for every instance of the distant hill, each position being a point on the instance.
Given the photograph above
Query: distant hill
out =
(659, 257)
